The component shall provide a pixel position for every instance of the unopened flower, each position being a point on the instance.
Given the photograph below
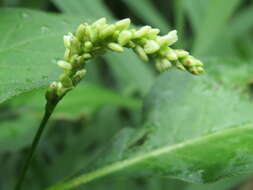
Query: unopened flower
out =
(123, 24)
(64, 65)
(124, 37)
(151, 47)
(168, 39)
(141, 53)
(115, 47)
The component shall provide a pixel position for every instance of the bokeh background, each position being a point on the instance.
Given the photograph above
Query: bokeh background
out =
(219, 32)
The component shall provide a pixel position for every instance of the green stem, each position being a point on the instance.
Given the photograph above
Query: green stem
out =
(50, 106)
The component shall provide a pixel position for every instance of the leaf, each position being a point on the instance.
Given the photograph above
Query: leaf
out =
(147, 12)
(27, 56)
(193, 130)
(242, 22)
(132, 74)
(85, 99)
(211, 27)
(225, 184)
(26, 110)
(233, 74)
(96, 9)
(17, 132)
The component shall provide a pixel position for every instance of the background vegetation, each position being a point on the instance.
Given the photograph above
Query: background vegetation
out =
(219, 32)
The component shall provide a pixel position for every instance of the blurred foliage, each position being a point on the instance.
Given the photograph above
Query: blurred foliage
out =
(219, 32)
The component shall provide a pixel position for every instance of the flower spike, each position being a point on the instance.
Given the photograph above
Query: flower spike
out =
(90, 40)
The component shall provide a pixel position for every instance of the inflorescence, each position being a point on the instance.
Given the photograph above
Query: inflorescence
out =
(89, 41)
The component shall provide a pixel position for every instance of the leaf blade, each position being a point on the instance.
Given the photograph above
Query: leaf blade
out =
(191, 147)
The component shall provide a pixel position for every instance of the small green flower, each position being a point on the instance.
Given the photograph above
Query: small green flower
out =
(90, 40)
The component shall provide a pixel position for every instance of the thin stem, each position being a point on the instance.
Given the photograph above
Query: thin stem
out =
(48, 112)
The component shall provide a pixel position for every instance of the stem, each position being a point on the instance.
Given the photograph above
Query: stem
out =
(50, 106)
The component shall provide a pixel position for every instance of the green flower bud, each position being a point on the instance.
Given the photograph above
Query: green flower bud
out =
(162, 65)
(73, 58)
(122, 24)
(59, 86)
(200, 70)
(141, 53)
(50, 94)
(142, 32)
(151, 47)
(180, 66)
(168, 39)
(190, 61)
(67, 39)
(154, 31)
(79, 76)
(94, 34)
(107, 31)
(80, 60)
(115, 47)
(181, 53)
(64, 65)
(71, 42)
(171, 55)
(131, 44)
(196, 70)
(60, 89)
(81, 73)
(67, 55)
(198, 63)
(66, 81)
(87, 56)
(87, 46)
(124, 37)
(101, 21)
(80, 32)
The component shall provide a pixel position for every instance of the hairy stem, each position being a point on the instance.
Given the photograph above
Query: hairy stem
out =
(50, 106)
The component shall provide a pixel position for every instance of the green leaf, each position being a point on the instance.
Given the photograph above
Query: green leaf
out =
(242, 22)
(211, 27)
(24, 112)
(148, 13)
(132, 74)
(232, 74)
(30, 41)
(196, 11)
(18, 131)
(96, 9)
(225, 184)
(193, 130)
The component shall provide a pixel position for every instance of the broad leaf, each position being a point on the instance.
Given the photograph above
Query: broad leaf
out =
(193, 130)
(19, 122)
(29, 43)
(232, 73)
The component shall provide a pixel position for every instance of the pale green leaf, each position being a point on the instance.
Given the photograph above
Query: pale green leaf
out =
(29, 44)
(210, 27)
(193, 130)
(24, 112)
(148, 13)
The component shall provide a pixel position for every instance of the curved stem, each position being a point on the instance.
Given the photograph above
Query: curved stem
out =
(50, 106)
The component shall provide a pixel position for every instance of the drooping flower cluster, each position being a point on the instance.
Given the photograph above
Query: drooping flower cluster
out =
(91, 40)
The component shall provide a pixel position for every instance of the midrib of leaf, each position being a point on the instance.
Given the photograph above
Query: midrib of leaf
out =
(124, 164)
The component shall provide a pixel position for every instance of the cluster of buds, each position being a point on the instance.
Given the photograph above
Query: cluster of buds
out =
(89, 41)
